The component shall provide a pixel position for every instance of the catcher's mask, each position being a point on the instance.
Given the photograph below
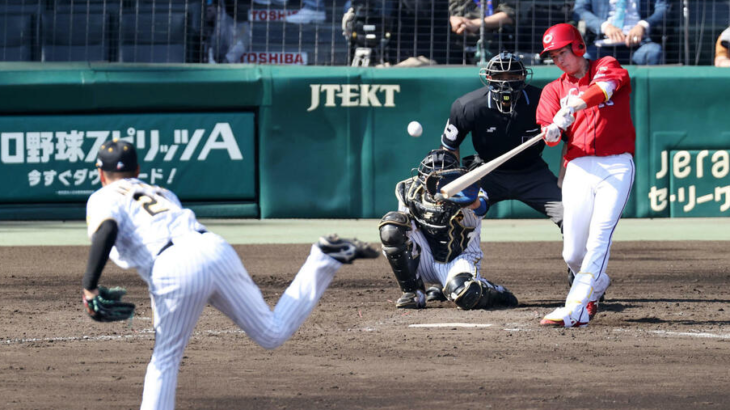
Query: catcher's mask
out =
(436, 160)
(506, 77)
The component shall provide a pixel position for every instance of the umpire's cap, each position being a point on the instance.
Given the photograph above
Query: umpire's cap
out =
(117, 156)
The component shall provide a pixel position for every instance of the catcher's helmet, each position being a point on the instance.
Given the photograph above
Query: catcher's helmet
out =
(561, 35)
(506, 77)
(437, 159)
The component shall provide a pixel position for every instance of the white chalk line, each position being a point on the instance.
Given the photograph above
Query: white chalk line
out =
(142, 334)
(470, 325)
(692, 334)
(699, 335)
(146, 334)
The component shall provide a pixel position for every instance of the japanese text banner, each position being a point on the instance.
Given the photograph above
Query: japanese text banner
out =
(199, 156)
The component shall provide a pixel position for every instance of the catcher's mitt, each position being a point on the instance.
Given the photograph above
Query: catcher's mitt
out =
(107, 306)
(438, 179)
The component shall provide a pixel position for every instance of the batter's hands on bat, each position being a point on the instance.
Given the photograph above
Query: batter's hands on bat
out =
(439, 179)
(551, 135)
(107, 305)
(564, 118)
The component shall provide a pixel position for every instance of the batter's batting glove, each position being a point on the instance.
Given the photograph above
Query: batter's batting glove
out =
(439, 179)
(564, 118)
(551, 135)
(107, 305)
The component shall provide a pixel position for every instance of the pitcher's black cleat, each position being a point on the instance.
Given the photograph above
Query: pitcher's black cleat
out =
(345, 250)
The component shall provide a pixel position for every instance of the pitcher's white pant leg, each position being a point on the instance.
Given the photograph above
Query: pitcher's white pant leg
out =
(577, 212)
(179, 287)
(238, 297)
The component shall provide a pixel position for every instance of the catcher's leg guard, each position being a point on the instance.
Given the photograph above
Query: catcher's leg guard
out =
(398, 249)
(470, 293)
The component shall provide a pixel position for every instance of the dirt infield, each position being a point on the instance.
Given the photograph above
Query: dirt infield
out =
(661, 341)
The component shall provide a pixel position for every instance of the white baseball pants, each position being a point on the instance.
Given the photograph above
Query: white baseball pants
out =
(201, 269)
(595, 193)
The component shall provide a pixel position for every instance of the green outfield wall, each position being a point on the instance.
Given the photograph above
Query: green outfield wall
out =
(314, 142)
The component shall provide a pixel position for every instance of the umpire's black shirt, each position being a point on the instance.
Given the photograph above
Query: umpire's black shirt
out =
(492, 132)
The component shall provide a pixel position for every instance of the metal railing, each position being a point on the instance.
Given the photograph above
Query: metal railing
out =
(380, 32)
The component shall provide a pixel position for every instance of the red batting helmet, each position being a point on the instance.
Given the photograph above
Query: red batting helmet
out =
(561, 35)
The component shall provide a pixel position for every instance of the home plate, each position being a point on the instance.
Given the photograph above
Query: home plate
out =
(452, 325)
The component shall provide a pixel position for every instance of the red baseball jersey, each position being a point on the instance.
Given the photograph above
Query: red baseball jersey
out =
(602, 130)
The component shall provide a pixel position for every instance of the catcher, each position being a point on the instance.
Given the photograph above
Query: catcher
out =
(437, 240)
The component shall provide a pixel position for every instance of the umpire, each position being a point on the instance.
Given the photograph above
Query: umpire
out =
(500, 117)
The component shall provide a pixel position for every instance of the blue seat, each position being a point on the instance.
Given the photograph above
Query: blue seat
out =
(68, 35)
(153, 37)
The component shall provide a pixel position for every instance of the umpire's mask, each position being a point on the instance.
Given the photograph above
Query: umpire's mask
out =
(506, 77)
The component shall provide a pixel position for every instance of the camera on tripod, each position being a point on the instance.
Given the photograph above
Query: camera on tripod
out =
(367, 29)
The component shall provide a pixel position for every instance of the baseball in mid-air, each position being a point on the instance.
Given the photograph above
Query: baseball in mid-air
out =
(415, 129)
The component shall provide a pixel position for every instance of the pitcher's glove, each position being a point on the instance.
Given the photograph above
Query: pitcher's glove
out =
(107, 306)
(439, 179)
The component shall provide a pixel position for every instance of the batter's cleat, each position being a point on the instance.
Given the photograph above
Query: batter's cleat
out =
(571, 276)
(564, 317)
(345, 250)
(435, 294)
(592, 309)
(411, 300)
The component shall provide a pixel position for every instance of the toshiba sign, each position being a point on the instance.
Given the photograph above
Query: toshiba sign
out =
(274, 58)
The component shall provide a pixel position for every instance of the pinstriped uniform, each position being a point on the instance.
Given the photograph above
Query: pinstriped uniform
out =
(469, 260)
(199, 268)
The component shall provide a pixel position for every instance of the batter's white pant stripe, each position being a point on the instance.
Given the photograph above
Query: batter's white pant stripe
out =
(610, 240)
(596, 191)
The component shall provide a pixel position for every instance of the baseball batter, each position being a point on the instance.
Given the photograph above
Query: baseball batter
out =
(437, 240)
(589, 107)
(186, 267)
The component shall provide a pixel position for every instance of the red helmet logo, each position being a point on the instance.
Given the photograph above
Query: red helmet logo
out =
(561, 35)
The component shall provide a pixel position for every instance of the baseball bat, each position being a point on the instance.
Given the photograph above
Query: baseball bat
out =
(469, 178)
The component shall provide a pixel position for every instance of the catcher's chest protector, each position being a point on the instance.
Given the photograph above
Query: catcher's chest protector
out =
(441, 223)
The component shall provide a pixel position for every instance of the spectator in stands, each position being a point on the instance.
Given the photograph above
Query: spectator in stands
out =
(622, 28)
(464, 16)
(225, 38)
(312, 12)
(465, 19)
(722, 55)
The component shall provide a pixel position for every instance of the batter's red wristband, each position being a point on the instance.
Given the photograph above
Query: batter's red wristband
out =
(593, 96)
